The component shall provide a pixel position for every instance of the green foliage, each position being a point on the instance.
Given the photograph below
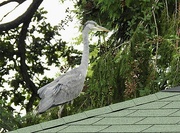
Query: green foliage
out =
(102, 83)
(142, 55)
(7, 120)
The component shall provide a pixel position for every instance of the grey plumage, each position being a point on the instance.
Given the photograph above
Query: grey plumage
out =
(68, 86)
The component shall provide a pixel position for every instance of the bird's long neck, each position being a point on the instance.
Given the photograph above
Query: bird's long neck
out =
(85, 55)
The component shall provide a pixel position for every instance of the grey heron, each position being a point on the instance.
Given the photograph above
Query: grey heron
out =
(69, 85)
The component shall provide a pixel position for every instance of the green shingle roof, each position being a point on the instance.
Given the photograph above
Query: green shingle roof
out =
(159, 112)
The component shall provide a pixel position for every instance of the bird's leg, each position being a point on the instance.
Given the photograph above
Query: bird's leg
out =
(61, 107)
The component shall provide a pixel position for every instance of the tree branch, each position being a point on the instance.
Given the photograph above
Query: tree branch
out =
(21, 19)
(22, 55)
(6, 2)
(9, 1)
(23, 67)
(9, 12)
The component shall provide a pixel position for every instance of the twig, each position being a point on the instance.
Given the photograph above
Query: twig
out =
(9, 12)
(127, 42)
(167, 10)
(9, 1)
(157, 33)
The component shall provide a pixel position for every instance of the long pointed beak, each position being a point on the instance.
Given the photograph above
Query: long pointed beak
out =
(100, 28)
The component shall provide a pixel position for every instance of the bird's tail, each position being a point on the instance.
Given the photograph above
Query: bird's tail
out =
(45, 104)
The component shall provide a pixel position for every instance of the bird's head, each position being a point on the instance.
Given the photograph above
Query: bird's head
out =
(94, 26)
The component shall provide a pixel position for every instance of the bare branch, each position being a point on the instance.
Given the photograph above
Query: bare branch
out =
(9, 1)
(6, 2)
(20, 1)
(9, 12)
(21, 19)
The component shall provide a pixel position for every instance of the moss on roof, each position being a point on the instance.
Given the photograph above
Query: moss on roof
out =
(159, 112)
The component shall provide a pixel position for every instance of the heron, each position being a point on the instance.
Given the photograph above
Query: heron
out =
(68, 86)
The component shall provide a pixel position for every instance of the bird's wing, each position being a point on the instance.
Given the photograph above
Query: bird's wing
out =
(58, 80)
(61, 90)
(43, 89)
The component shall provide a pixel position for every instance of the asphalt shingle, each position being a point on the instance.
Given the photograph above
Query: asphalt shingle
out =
(172, 105)
(83, 128)
(53, 129)
(122, 105)
(119, 121)
(171, 99)
(153, 112)
(118, 113)
(98, 111)
(176, 113)
(86, 121)
(162, 95)
(73, 118)
(159, 120)
(152, 105)
(145, 99)
(125, 128)
(163, 129)
(30, 129)
(52, 123)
